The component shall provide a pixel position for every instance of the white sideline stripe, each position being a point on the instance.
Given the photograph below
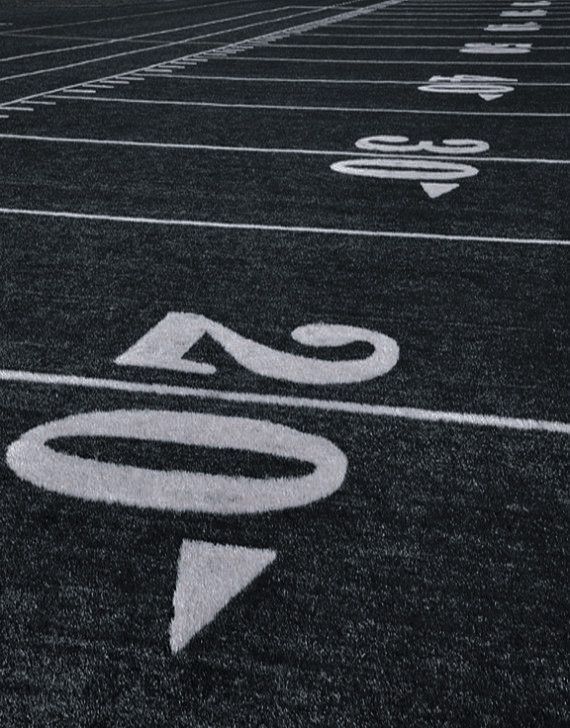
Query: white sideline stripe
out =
(197, 56)
(267, 150)
(149, 48)
(277, 228)
(280, 79)
(126, 39)
(347, 109)
(31, 29)
(375, 410)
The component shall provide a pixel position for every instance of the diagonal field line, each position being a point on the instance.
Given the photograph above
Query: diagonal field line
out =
(127, 38)
(268, 150)
(169, 44)
(219, 225)
(124, 17)
(199, 54)
(357, 408)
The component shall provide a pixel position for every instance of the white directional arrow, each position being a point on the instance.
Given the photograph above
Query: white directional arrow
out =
(209, 577)
(437, 189)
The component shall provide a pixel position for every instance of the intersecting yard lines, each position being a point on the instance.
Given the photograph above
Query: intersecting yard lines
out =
(297, 28)
(122, 39)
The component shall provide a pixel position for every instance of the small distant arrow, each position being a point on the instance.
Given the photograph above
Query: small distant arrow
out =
(209, 576)
(490, 97)
(437, 189)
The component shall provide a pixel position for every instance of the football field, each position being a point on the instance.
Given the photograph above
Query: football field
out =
(284, 413)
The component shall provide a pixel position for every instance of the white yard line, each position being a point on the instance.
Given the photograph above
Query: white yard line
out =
(404, 47)
(214, 224)
(266, 150)
(337, 109)
(461, 37)
(329, 405)
(273, 59)
(355, 81)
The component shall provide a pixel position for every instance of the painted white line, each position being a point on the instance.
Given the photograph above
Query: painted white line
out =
(389, 234)
(169, 44)
(17, 34)
(264, 150)
(358, 408)
(125, 39)
(460, 37)
(113, 18)
(337, 109)
(349, 81)
(410, 27)
(43, 103)
(18, 108)
(67, 49)
(321, 21)
(271, 59)
(403, 47)
(403, 15)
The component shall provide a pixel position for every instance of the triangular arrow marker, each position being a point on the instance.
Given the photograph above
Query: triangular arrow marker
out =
(490, 97)
(436, 189)
(209, 577)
